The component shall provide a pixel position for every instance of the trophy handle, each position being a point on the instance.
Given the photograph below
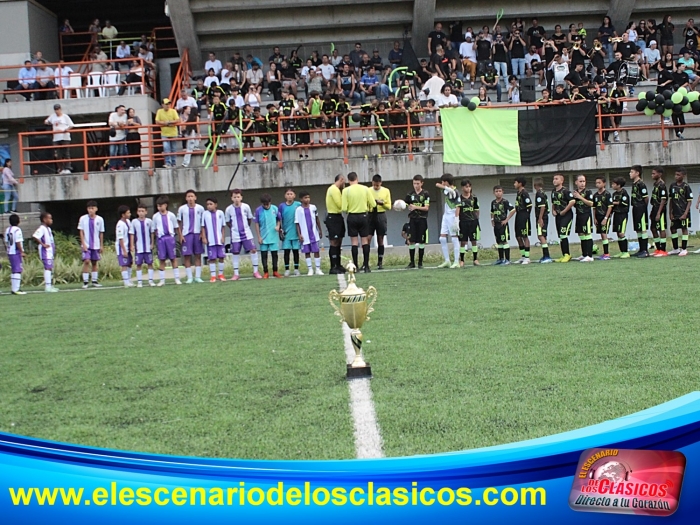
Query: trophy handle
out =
(334, 299)
(371, 298)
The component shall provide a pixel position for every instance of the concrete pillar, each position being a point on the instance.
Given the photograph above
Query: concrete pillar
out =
(423, 23)
(185, 33)
(620, 12)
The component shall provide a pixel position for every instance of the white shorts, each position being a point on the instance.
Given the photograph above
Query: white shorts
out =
(448, 221)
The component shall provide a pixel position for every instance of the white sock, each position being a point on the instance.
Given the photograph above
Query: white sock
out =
(308, 264)
(176, 272)
(455, 247)
(161, 274)
(139, 275)
(150, 274)
(198, 272)
(16, 279)
(188, 271)
(221, 268)
(236, 263)
(212, 269)
(48, 281)
(445, 250)
(254, 259)
(317, 260)
(125, 275)
(86, 277)
(94, 277)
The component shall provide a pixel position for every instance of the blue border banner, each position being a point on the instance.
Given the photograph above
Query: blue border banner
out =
(526, 482)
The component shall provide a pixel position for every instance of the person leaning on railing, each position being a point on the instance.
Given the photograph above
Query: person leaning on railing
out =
(133, 140)
(117, 137)
(9, 188)
(167, 118)
(61, 125)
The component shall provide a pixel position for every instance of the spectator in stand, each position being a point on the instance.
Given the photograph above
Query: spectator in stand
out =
(294, 59)
(575, 78)
(559, 39)
(376, 60)
(605, 33)
(44, 81)
(356, 55)
(276, 57)
(62, 75)
(250, 60)
(467, 51)
(483, 52)
(347, 86)
(687, 60)
(489, 80)
(445, 99)
(513, 90)
(189, 129)
(236, 99)
(9, 188)
(560, 70)
(327, 73)
(484, 99)
(626, 47)
(185, 100)
(95, 27)
(211, 79)
(213, 63)
(27, 79)
(133, 78)
(38, 56)
(441, 63)
(666, 29)
(499, 52)
(364, 66)
(289, 77)
(109, 32)
(239, 77)
(336, 59)
(123, 51)
(61, 124)
(66, 27)
(396, 55)
(652, 57)
(315, 82)
(573, 36)
(517, 48)
(199, 93)
(643, 35)
(133, 140)
(436, 38)
(226, 77)
(537, 35)
(433, 86)
(253, 98)
(117, 137)
(254, 78)
(690, 35)
(370, 85)
(238, 59)
(533, 62)
(274, 81)
(315, 59)
(100, 57)
(167, 118)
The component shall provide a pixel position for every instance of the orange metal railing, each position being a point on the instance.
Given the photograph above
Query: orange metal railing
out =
(164, 41)
(89, 147)
(76, 46)
(182, 77)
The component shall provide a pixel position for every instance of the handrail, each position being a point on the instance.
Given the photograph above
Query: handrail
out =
(182, 76)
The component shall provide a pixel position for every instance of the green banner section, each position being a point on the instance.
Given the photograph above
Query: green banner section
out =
(483, 136)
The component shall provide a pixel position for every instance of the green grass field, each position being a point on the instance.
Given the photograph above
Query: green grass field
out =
(461, 359)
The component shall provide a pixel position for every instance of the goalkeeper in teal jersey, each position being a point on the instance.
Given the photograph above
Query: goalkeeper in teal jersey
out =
(288, 230)
(267, 228)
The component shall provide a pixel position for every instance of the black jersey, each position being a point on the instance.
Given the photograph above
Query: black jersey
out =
(287, 106)
(523, 203)
(541, 201)
(468, 207)
(561, 199)
(680, 195)
(621, 201)
(583, 209)
(342, 108)
(421, 199)
(658, 194)
(639, 193)
(328, 107)
(218, 111)
(601, 203)
(499, 210)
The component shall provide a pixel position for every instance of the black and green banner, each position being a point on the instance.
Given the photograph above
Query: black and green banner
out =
(525, 137)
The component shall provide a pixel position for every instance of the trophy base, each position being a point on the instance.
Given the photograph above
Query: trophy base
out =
(359, 372)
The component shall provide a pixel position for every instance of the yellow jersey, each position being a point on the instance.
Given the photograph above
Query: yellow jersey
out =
(358, 199)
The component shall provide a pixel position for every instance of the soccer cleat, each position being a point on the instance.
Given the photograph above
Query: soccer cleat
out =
(410, 266)
(19, 292)
(319, 272)
(445, 264)
(420, 266)
(212, 279)
(297, 273)
(151, 284)
(498, 262)
(286, 273)
(189, 280)
(365, 269)
(85, 286)
(477, 263)
(178, 281)
(128, 284)
(604, 257)
(257, 275)
(525, 260)
(587, 259)
(266, 275)
(198, 280)
(161, 283)
(222, 278)
(683, 253)
(546, 260)
(277, 275)
(675, 251)
(580, 258)
(506, 263)
(455, 264)
(95, 284)
(380, 266)
(566, 258)
(52, 289)
(334, 271)
(696, 251)
(660, 253)
(310, 272)
(139, 285)
(235, 277)
(625, 255)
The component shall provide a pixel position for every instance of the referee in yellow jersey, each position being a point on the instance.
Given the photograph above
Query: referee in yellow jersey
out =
(335, 225)
(357, 202)
(377, 216)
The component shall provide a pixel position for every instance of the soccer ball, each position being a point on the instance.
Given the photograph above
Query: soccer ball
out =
(595, 248)
(399, 205)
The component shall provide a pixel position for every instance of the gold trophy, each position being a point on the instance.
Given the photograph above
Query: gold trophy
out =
(353, 305)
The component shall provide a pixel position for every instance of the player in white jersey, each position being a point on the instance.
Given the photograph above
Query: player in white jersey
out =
(309, 231)
(92, 231)
(239, 217)
(189, 216)
(47, 249)
(165, 226)
(141, 243)
(122, 245)
(14, 243)
(212, 234)
(450, 221)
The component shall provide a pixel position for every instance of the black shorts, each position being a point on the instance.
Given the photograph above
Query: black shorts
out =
(542, 230)
(522, 225)
(619, 224)
(469, 231)
(330, 123)
(661, 224)
(677, 224)
(563, 224)
(599, 227)
(303, 137)
(365, 120)
(418, 228)
(377, 224)
(316, 122)
(335, 226)
(640, 221)
(584, 224)
(358, 224)
(502, 233)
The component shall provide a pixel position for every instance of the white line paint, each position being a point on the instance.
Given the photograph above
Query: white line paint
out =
(368, 439)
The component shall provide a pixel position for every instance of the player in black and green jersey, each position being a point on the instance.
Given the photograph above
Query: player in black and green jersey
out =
(640, 205)
(584, 219)
(659, 198)
(418, 205)
(562, 203)
(542, 218)
(329, 117)
(287, 106)
(522, 211)
(218, 112)
(602, 206)
(366, 110)
(342, 110)
(681, 198)
(500, 208)
(469, 222)
(621, 210)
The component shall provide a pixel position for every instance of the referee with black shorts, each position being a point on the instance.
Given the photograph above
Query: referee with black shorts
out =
(335, 225)
(357, 202)
(377, 216)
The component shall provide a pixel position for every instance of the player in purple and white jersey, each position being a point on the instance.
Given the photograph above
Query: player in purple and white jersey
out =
(92, 231)
(212, 235)
(165, 227)
(142, 237)
(14, 242)
(189, 216)
(122, 245)
(309, 230)
(239, 217)
(47, 249)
